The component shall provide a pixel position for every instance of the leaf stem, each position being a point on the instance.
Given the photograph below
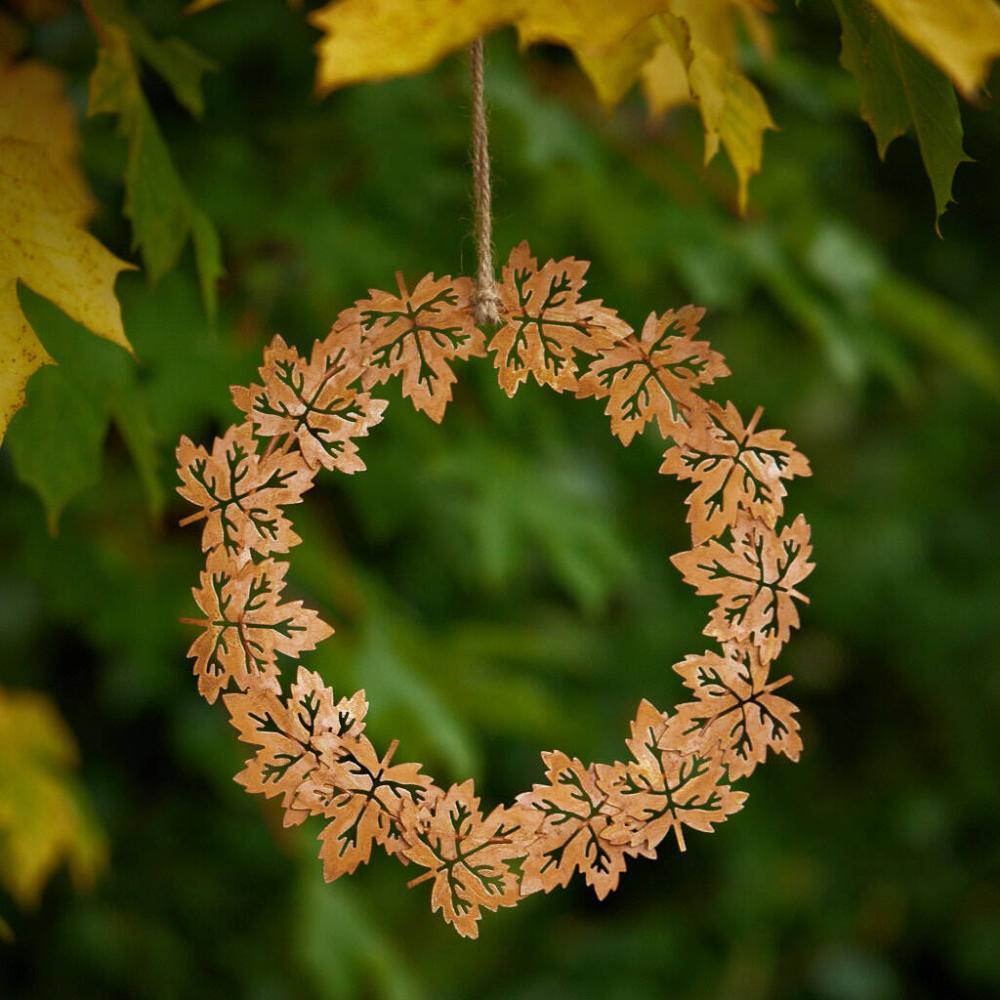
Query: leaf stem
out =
(426, 877)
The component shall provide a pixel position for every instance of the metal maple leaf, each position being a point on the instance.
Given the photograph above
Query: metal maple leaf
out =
(240, 493)
(571, 831)
(664, 790)
(246, 625)
(655, 376)
(545, 325)
(316, 402)
(737, 710)
(361, 793)
(286, 731)
(466, 855)
(736, 468)
(755, 578)
(416, 334)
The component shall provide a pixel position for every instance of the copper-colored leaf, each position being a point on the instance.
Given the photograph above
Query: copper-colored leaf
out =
(316, 402)
(362, 795)
(755, 579)
(416, 334)
(664, 790)
(240, 493)
(287, 730)
(656, 375)
(737, 468)
(737, 710)
(545, 325)
(465, 854)
(571, 831)
(246, 625)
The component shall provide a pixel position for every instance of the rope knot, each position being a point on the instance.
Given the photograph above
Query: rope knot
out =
(487, 302)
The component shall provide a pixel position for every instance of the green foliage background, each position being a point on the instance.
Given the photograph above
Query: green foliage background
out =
(500, 584)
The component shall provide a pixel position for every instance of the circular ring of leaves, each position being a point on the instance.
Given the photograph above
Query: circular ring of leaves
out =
(311, 750)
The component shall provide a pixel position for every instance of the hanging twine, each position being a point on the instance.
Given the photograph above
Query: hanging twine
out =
(487, 298)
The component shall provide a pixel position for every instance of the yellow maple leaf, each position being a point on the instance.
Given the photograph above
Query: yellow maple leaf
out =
(42, 819)
(44, 204)
(733, 111)
(961, 36)
(375, 41)
(683, 49)
(689, 54)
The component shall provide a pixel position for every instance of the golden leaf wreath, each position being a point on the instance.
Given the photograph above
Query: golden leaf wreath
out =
(311, 749)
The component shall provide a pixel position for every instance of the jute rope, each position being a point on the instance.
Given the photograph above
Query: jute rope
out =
(487, 298)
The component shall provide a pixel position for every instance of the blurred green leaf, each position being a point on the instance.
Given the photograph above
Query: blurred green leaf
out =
(901, 89)
(57, 443)
(407, 700)
(57, 439)
(782, 276)
(157, 202)
(178, 63)
(516, 507)
(342, 948)
(851, 267)
(940, 327)
(132, 418)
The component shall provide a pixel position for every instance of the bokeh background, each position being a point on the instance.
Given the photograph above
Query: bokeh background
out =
(501, 584)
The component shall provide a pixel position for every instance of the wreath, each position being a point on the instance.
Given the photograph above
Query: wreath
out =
(311, 750)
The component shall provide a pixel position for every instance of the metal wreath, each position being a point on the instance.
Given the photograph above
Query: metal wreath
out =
(311, 749)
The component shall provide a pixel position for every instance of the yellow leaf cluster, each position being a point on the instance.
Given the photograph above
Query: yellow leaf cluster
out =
(700, 41)
(684, 51)
(44, 205)
(42, 821)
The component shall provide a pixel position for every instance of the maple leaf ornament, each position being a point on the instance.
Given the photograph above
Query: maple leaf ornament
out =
(467, 856)
(246, 625)
(361, 793)
(545, 325)
(416, 334)
(571, 830)
(655, 376)
(664, 790)
(241, 494)
(314, 401)
(755, 578)
(737, 710)
(287, 732)
(736, 468)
